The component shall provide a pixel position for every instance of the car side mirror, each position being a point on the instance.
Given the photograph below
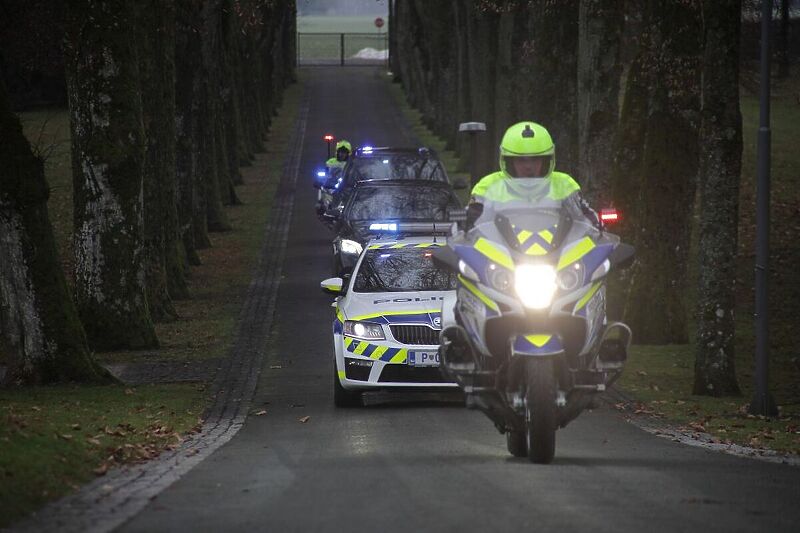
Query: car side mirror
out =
(459, 184)
(332, 285)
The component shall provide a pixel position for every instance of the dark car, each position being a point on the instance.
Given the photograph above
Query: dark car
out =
(388, 203)
(383, 164)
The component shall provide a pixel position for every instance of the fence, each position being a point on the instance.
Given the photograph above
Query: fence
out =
(340, 49)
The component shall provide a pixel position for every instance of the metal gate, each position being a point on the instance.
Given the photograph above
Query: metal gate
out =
(340, 49)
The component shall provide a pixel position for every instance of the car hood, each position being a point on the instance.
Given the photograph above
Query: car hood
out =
(424, 308)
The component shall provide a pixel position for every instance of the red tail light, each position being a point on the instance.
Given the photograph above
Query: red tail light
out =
(609, 215)
(328, 137)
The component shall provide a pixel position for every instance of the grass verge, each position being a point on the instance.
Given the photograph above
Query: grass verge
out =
(53, 439)
(56, 438)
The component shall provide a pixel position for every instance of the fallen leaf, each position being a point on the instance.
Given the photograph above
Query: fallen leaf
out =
(304, 419)
(129, 391)
(262, 412)
(65, 436)
(276, 367)
(101, 470)
(76, 427)
(642, 373)
(94, 441)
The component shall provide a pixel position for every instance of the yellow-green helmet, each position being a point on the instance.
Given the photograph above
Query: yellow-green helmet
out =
(344, 144)
(528, 139)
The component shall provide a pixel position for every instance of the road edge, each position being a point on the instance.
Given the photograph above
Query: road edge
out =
(660, 427)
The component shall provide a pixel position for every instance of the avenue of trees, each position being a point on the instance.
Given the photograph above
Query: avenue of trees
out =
(167, 99)
(642, 99)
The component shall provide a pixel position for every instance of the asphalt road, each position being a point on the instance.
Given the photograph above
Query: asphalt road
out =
(402, 463)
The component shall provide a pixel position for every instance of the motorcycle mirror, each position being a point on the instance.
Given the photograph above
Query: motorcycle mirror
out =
(622, 257)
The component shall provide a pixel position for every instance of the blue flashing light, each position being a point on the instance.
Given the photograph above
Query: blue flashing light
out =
(366, 149)
(321, 174)
(383, 226)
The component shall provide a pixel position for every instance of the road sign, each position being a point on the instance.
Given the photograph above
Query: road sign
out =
(379, 22)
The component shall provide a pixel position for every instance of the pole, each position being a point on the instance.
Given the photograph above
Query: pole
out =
(341, 49)
(763, 403)
(473, 129)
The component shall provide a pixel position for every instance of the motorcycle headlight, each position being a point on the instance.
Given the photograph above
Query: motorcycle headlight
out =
(351, 247)
(363, 330)
(535, 285)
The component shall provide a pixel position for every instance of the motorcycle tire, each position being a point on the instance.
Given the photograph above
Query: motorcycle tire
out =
(541, 420)
(343, 397)
(517, 444)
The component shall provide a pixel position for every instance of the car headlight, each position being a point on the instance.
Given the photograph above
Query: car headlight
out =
(351, 247)
(363, 330)
(535, 285)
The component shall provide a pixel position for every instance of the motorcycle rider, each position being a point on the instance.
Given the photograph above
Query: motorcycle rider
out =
(526, 151)
(343, 149)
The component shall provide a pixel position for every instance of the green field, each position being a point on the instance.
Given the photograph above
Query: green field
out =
(364, 24)
(320, 40)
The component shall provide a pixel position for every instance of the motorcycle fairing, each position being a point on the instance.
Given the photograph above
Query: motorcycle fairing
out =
(536, 344)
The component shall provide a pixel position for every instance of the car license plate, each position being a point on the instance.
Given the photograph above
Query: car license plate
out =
(416, 358)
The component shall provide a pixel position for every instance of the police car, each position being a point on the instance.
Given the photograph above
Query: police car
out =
(388, 318)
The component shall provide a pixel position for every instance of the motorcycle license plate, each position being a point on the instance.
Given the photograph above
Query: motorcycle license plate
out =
(417, 358)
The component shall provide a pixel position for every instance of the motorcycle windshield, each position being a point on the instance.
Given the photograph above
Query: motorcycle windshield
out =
(533, 209)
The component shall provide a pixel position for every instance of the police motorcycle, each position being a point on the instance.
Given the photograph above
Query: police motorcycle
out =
(526, 334)
(327, 181)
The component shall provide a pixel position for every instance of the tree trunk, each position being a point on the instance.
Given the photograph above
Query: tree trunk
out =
(599, 69)
(215, 162)
(107, 157)
(188, 87)
(655, 170)
(156, 52)
(40, 333)
(720, 170)
(554, 81)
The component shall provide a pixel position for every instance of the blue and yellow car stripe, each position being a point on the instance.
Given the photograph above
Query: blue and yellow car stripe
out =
(376, 352)
(389, 245)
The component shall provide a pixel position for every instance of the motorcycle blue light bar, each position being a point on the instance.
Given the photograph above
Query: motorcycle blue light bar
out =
(320, 173)
(382, 226)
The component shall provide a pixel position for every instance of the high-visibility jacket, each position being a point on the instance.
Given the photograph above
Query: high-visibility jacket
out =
(561, 186)
(335, 163)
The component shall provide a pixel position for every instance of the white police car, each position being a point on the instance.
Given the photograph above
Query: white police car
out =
(388, 319)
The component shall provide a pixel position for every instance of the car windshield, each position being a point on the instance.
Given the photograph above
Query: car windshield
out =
(396, 167)
(402, 270)
(406, 203)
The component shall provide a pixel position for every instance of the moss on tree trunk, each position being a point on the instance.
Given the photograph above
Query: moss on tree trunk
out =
(720, 171)
(41, 336)
(108, 149)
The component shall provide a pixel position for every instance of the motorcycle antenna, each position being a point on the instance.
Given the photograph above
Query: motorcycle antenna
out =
(434, 232)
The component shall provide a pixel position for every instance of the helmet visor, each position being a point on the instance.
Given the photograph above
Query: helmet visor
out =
(528, 166)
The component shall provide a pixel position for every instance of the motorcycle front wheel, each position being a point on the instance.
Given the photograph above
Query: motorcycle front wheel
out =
(540, 410)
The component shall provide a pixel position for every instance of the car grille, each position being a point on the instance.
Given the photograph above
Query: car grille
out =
(415, 335)
(410, 374)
